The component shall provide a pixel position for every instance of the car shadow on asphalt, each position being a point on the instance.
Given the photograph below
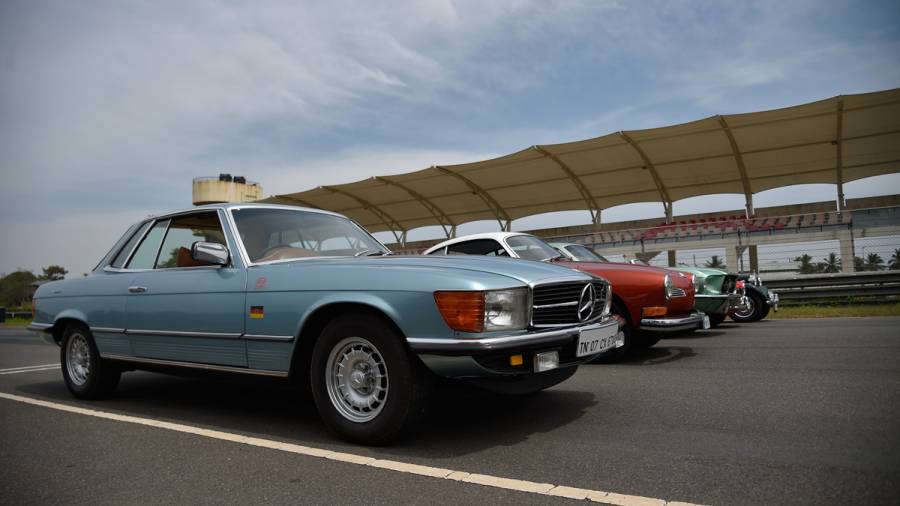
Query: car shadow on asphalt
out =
(697, 334)
(658, 355)
(461, 420)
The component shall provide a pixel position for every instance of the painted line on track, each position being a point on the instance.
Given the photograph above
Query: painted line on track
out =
(392, 465)
(30, 368)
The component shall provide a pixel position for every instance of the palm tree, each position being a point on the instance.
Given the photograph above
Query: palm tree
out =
(895, 261)
(831, 264)
(874, 262)
(806, 265)
(715, 263)
(859, 264)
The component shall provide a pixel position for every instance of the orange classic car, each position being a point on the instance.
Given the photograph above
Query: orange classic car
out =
(652, 301)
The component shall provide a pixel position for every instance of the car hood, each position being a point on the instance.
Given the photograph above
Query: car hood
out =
(700, 271)
(617, 266)
(526, 271)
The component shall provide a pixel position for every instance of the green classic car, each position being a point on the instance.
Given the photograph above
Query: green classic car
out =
(716, 293)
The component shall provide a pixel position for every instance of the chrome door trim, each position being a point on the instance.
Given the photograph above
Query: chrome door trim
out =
(108, 330)
(264, 337)
(178, 333)
(194, 365)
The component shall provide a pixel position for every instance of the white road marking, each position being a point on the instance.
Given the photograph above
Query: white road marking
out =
(400, 467)
(32, 368)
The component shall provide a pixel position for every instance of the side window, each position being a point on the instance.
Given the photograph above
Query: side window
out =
(126, 250)
(183, 232)
(477, 247)
(145, 256)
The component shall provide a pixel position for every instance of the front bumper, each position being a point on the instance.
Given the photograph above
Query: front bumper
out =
(489, 356)
(44, 330)
(773, 301)
(691, 322)
(717, 304)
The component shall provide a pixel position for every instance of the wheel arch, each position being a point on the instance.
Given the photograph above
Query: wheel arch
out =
(63, 320)
(318, 318)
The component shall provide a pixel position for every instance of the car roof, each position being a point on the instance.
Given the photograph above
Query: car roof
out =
(497, 236)
(245, 205)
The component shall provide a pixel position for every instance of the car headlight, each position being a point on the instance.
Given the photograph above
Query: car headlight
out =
(697, 282)
(608, 306)
(480, 311)
(667, 283)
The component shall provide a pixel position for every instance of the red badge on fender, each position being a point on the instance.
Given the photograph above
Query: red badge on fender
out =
(257, 312)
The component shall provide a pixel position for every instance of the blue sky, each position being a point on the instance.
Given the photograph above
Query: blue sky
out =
(108, 109)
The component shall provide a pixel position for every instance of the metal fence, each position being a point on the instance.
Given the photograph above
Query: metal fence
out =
(808, 287)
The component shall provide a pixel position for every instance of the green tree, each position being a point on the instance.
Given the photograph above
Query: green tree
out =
(806, 264)
(874, 262)
(15, 289)
(715, 263)
(895, 260)
(859, 264)
(831, 264)
(53, 273)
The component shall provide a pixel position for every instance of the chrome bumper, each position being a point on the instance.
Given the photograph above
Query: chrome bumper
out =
(44, 330)
(773, 301)
(464, 346)
(691, 322)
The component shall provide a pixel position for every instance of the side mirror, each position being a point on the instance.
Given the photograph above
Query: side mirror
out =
(209, 253)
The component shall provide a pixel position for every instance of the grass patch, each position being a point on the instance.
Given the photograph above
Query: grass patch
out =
(15, 322)
(810, 311)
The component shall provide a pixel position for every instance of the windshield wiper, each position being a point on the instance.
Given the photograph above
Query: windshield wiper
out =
(550, 259)
(363, 252)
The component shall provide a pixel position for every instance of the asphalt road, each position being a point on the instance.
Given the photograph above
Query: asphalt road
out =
(776, 412)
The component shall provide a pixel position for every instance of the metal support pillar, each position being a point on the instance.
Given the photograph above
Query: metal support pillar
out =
(848, 251)
(672, 260)
(732, 253)
(754, 258)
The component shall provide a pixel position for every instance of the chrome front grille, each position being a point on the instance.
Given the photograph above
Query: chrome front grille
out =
(557, 304)
(678, 292)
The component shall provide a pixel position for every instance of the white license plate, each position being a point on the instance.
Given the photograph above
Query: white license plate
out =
(594, 341)
(706, 324)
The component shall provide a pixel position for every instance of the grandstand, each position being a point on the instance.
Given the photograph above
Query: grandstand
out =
(833, 141)
(731, 231)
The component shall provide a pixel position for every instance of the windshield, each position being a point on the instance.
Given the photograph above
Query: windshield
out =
(584, 254)
(531, 248)
(283, 234)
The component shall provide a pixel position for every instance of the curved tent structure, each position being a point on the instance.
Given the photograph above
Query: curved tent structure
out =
(836, 140)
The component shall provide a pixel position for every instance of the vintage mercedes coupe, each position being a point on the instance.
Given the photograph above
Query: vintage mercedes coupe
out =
(292, 292)
(651, 301)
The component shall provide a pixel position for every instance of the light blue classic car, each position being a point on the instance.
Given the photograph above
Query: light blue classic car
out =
(292, 292)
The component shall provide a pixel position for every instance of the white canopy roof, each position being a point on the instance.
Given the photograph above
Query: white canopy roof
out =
(836, 140)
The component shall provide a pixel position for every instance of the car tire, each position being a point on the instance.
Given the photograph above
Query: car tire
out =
(715, 320)
(619, 353)
(387, 388)
(87, 376)
(754, 312)
(645, 340)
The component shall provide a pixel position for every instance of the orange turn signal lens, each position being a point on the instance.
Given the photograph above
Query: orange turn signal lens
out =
(463, 311)
(653, 311)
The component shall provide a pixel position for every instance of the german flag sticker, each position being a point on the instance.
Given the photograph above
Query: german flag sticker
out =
(257, 312)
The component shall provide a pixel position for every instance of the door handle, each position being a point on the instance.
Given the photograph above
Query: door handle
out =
(137, 289)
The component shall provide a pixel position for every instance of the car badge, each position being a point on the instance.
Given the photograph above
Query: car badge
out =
(261, 282)
(586, 302)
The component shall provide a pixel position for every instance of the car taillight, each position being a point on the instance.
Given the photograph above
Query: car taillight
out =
(462, 310)
(739, 285)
